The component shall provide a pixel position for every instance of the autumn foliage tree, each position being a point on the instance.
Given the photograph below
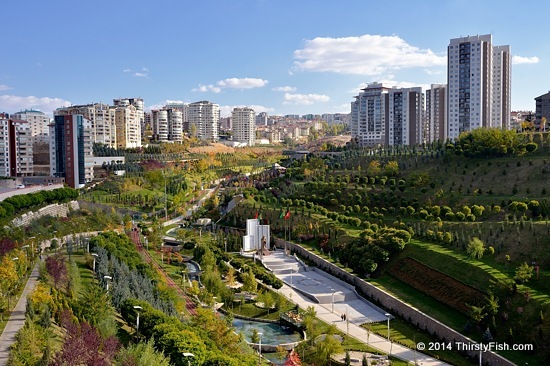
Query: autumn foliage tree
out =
(57, 269)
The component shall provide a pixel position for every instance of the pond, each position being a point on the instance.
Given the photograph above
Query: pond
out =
(272, 334)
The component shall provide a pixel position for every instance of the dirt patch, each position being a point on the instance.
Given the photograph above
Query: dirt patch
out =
(437, 285)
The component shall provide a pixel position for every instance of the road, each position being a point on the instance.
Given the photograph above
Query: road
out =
(17, 318)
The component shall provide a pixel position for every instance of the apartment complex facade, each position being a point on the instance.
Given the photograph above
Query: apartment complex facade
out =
(204, 117)
(38, 123)
(71, 149)
(15, 147)
(116, 126)
(405, 122)
(244, 125)
(369, 113)
(436, 113)
(542, 111)
(478, 79)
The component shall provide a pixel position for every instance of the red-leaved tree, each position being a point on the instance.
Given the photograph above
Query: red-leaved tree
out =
(83, 345)
(57, 269)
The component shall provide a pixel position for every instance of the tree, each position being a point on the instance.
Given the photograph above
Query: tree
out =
(475, 248)
(8, 275)
(326, 348)
(141, 354)
(524, 272)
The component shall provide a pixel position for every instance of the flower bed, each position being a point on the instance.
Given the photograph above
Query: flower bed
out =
(437, 285)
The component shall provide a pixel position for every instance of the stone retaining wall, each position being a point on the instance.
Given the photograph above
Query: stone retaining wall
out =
(55, 210)
(396, 306)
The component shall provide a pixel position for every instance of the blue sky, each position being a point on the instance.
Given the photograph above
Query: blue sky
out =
(278, 56)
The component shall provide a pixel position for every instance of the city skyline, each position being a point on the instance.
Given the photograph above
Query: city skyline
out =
(279, 57)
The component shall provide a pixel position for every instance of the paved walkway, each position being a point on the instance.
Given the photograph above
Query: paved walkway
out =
(17, 318)
(320, 289)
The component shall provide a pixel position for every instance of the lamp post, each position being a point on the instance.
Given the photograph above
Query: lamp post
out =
(138, 308)
(165, 198)
(188, 356)
(225, 242)
(291, 272)
(332, 302)
(31, 239)
(94, 255)
(388, 316)
(107, 279)
(260, 349)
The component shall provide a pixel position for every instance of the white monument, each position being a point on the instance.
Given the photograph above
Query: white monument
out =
(254, 234)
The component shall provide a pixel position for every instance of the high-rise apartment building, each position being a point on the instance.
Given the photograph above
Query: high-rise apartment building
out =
(204, 120)
(128, 127)
(71, 149)
(15, 147)
(436, 113)
(478, 79)
(175, 125)
(102, 120)
(38, 124)
(261, 119)
(405, 121)
(542, 110)
(140, 112)
(369, 113)
(159, 124)
(244, 125)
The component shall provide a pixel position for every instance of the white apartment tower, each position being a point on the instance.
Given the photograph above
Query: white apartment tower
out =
(204, 120)
(38, 124)
(436, 113)
(244, 125)
(478, 79)
(159, 124)
(128, 127)
(138, 103)
(369, 113)
(406, 117)
(15, 147)
(175, 125)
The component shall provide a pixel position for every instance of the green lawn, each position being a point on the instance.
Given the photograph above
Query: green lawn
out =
(406, 334)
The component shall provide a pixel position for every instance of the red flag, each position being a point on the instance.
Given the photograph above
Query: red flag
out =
(256, 216)
(287, 216)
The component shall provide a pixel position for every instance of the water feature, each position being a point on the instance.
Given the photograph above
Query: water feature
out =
(272, 333)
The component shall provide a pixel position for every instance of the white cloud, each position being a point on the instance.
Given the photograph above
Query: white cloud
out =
(231, 83)
(304, 99)
(4, 87)
(206, 88)
(517, 60)
(126, 70)
(164, 103)
(144, 69)
(433, 72)
(14, 103)
(242, 83)
(284, 89)
(141, 74)
(364, 55)
(225, 110)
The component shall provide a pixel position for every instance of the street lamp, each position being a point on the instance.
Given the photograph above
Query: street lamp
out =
(138, 308)
(291, 272)
(260, 349)
(188, 355)
(107, 279)
(94, 255)
(388, 316)
(332, 302)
